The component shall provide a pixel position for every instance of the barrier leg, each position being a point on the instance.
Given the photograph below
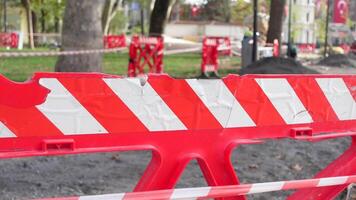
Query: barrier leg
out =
(218, 170)
(342, 166)
(162, 172)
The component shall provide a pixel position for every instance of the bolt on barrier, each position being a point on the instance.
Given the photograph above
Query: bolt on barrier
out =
(69, 113)
(145, 51)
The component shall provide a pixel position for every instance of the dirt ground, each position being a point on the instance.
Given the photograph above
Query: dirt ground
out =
(118, 172)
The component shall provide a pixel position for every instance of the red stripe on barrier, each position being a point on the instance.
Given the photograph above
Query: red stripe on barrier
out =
(33, 122)
(184, 106)
(351, 179)
(217, 191)
(89, 92)
(350, 83)
(313, 99)
(300, 184)
(164, 194)
(254, 101)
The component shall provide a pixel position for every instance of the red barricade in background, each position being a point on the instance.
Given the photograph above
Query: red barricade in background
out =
(145, 51)
(9, 40)
(178, 120)
(212, 48)
(114, 41)
(306, 48)
(275, 48)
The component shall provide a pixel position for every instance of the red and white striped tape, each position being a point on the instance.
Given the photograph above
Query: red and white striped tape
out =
(221, 191)
(151, 107)
(59, 53)
(179, 51)
(191, 50)
(92, 51)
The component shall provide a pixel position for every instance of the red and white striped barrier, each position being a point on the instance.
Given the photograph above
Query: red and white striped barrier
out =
(59, 53)
(229, 106)
(9, 40)
(69, 113)
(221, 191)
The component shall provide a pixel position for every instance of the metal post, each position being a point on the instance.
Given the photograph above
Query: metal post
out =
(255, 30)
(326, 28)
(142, 22)
(289, 28)
(5, 15)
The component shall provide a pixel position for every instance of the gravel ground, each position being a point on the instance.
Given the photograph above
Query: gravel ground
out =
(118, 172)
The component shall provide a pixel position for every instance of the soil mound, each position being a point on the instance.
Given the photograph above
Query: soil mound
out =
(276, 66)
(339, 60)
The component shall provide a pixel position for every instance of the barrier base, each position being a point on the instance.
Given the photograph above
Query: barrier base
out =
(209, 75)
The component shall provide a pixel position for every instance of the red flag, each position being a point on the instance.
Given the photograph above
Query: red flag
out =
(341, 9)
(195, 10)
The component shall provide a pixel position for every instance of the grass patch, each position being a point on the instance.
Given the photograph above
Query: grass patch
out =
(179, 66)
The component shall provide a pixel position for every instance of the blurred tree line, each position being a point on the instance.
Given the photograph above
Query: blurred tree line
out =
(80, 16)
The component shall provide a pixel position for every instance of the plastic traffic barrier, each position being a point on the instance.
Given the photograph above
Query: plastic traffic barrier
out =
(275, 48)
(58, 114)
(212, 48)
(145, 51)
(9, 40)
(114, 41)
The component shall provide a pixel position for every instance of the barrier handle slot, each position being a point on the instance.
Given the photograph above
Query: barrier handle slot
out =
(58, 145)
(306, 133)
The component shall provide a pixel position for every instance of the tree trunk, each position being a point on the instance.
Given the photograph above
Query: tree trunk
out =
(27, 5)
(108, 9)
(275, 21)
(158, 17)
(35, 28)
(170, 8)
(43, 21)
(227, 11)
(82, 29)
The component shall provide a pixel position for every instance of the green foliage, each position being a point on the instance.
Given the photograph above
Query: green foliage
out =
(217, 10)
(320, 21)
(118, 23)
(49, 11)
(240, 11)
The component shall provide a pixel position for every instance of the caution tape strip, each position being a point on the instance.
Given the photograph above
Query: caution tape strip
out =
(93, 51)
(179, 51)
(221, 191)
(59, 53)
(196, 49)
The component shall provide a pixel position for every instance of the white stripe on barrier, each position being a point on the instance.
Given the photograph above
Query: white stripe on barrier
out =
(285, 100)
(104, 197)
(339, 97)
(266, 187)
(332, 181)
(190, 193)
(5, 132)
(146, 104)
(65, 112)
(221, 103)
